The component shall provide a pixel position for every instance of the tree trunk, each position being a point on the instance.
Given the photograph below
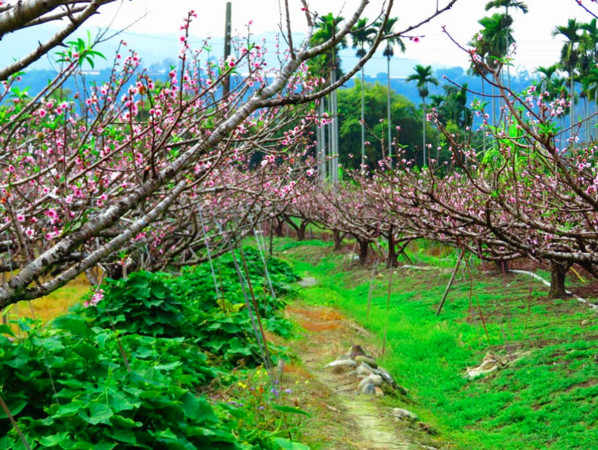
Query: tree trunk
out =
(502, 267)
(301, 230)
(388, 109)
(392, 260)
(279, 227)
(364, 245)
(424, 130)
(572, 111)
(338, 239)
(558, 270)
(362, 119)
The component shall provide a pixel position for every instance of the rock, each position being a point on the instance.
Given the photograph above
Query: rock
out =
(585, 323)
(348, 363)
(401, 413)
(379, 391)
(427, 428)
(367, 360)
(307, 282)
(368, 388)
(385, 376)
(376, 380)
(364, 369)
(490, 363)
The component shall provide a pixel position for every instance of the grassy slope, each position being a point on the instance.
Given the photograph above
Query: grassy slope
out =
(547, 398)
(52, 305)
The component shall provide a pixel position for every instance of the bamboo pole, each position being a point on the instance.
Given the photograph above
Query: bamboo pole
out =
(387, 310)
(450, 283)
(14, 423)
(367, 314)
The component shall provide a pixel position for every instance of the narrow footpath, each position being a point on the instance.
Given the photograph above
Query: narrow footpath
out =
(353, 421)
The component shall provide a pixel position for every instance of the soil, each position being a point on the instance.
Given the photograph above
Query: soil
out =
(353, 421)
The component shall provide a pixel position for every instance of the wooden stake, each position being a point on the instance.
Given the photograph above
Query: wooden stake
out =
(227, 46)
(482, 317)
(352, 253)
(256, 311)
(470, 305)
(387, 310)
(450, 283)
(367, 314)
(14, 423)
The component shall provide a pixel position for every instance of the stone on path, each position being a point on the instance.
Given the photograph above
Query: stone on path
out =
(490, 363)
(368, 388)
(342, 363)
(401, 413)
(307, 282)
(376, 380)
(367, 360)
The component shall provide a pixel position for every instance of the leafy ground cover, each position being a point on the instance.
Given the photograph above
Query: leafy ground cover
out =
(160, 362)
(545, 398)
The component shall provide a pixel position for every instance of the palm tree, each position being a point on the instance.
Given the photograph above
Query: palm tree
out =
(436, 101)
(492, 46)
(590, 86)
(455, 107)
(423, 76)
(570, 54)
(362, 35)
(389, 53)
(506, 4)
(587, 68)
(588, 45)
(329, 63)
(476, 68)
(548, 73)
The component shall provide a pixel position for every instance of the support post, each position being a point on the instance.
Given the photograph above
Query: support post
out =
(450, 283)
(227, 41)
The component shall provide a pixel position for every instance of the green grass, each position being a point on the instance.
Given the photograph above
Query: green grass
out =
(547, 398)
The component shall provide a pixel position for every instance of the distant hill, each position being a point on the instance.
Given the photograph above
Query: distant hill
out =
(158, 52)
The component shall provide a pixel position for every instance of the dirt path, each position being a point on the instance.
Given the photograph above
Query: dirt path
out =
(353, 421)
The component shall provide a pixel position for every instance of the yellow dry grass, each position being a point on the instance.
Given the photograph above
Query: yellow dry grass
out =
(53, 305)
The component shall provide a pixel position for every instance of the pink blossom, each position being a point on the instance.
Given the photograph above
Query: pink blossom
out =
(95, 299)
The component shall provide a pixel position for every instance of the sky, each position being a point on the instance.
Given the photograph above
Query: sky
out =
(535, 44)
(148, 23)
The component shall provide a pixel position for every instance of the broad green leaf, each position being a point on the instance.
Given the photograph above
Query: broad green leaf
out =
(198, 408)
(5, 329)
(120, 402)
(285, 444)
(87, 351)
(169, 366)
(70, 409)
(55, 439)
(99, 412)
(122, 435)
(289, 409)
(15, 406)
(239, 348)
(75, 325)
(125, 422)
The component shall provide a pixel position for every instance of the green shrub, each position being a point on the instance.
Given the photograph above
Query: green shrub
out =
(69, 387)
(125, 373)
(143, 303)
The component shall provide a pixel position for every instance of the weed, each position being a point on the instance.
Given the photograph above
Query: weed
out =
(545, 398)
